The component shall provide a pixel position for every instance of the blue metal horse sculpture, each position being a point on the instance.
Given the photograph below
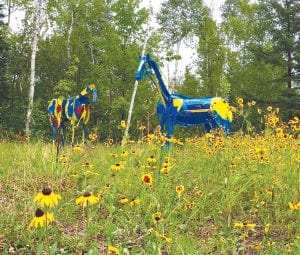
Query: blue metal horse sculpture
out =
(174, 109)
(74, 109)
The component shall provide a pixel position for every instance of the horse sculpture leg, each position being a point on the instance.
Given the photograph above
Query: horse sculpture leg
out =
(73, 134)
(84, 133)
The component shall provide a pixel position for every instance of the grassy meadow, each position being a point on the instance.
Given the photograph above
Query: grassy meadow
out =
(206, 195)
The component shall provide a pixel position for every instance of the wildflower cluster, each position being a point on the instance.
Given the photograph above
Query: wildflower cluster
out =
(46, 199)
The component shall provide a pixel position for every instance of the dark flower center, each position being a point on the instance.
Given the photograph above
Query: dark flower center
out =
(146, 179)
(157, 218)
(46, 191)
(39, 212)
(87, 194)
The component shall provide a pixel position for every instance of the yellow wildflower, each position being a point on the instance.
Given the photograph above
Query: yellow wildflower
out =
(294, 207)
(77, 148)
(47, 198)
(156, 217)
(87, 165)
(117, 167)
(87, 198)
(124, 154)
(135, 201)
(93, 136)
(267, 228)
(123, 200)
(179, 190)
(151, 159)
(113, 250)
(147, 179)
(41, 218)
(240, 101)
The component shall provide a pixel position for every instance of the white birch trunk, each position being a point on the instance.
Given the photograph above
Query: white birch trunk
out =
(133, 99)
(148, 35)
(69, 39)
(34, 48)
(70, 33)
(174, 81)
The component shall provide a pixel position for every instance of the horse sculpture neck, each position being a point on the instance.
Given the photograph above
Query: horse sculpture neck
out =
(146, 67)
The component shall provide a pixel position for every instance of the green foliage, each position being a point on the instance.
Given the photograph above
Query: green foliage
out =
(190, 85)
(253, 54)
(211, 57)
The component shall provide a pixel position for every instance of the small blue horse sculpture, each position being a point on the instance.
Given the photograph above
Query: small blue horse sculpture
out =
(73, 110)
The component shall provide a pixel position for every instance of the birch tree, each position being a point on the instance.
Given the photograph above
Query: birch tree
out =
(34, 47)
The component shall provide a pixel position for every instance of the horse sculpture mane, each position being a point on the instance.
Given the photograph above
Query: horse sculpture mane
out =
(74, 110)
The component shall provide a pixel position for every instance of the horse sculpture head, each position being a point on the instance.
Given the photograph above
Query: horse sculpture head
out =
(90, 89)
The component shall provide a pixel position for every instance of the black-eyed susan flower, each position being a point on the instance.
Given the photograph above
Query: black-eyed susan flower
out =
(123, 124)
(77, 148)
(117, 167)
(124, 154)
(165, 170)
(47, 198)
(244, 225)
(147, 179)
(267, 228)
(179, 190)
(269, 108)
(156, 217)
(279, 132)
(294, 207)
(113, 250)
(93, 137)
(87, 165)
(135, 201)
(123, 200)
(87, 198)
(240, 101)
(63, 158)
(151, 159)
(41, 218)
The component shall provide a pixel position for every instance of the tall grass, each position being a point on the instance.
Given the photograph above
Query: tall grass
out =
(240, 197)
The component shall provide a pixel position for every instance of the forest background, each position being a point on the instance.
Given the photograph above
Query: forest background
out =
(62, 46)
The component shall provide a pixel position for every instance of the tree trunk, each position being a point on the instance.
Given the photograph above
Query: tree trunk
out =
(174, 80)
(70, 33)
(34, 48)
(8, 12)
(289, 51)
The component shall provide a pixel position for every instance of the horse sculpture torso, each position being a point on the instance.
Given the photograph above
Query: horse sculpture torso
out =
(74, 110)
(174, 109)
